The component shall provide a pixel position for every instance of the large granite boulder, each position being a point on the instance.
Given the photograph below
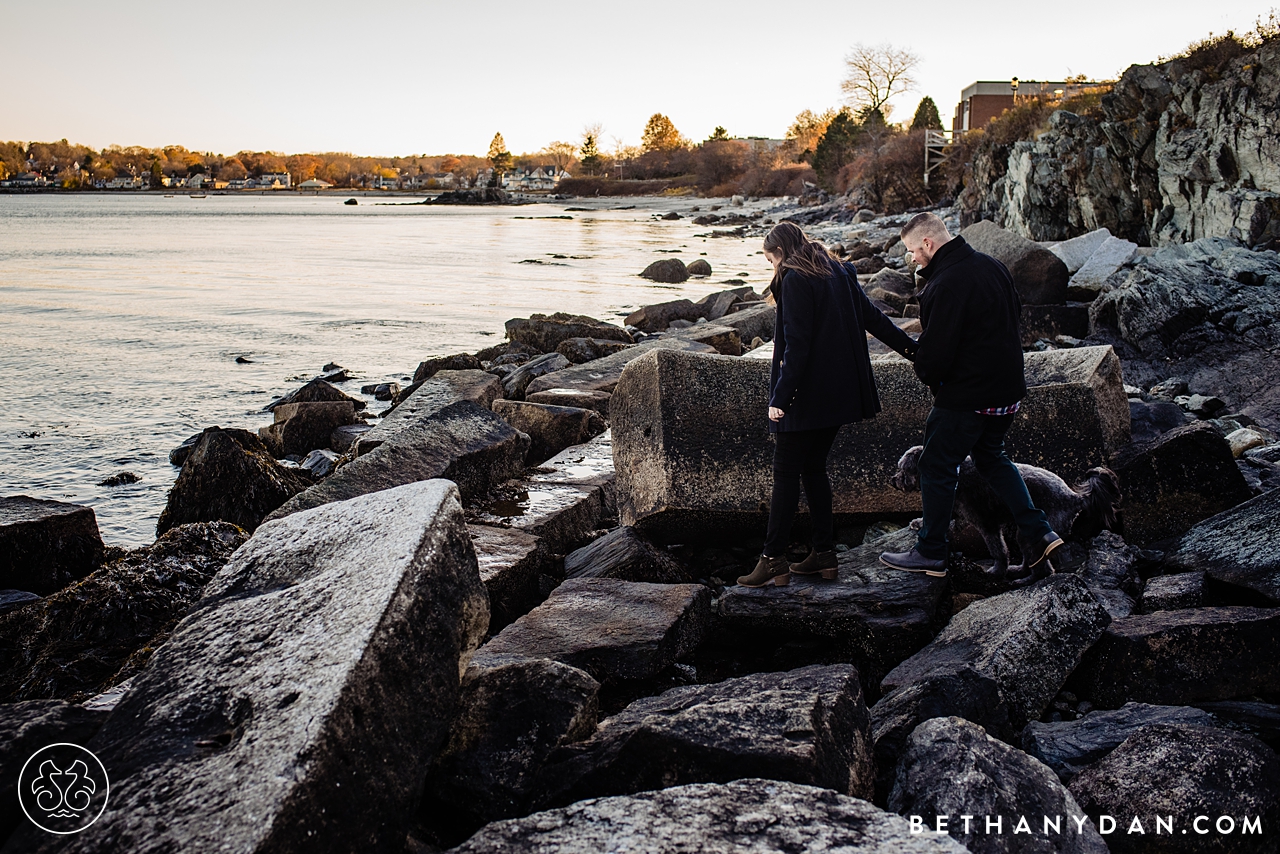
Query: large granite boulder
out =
(998, 663)
(603, 374)
(517, 382)
(1078, 250)
(562, 502)
(1204, 312)
(45, 545)
(30, 726)
(82, 640)
(754, 321)
(295, 708)
(626, 555)
(952, 767)
(457, 362)
(692, 449)
(623, 633)
(1109, 258)
(1039, 276)
(1240, 546)
(316, 391)
(300, 428)
(230, 476)
(670, 271)
(432, 395)
(550, 429)
(1068, 747)
(577, 398)
(1181, 657)
(511, 563)
(657, 317)
(545, 332)
(807, 726)
(462, 442)
(1176, 480)
(579, 350)
(745, 817)
(512, 713)
(873, 616)
(1215, 790)
(1172, 592)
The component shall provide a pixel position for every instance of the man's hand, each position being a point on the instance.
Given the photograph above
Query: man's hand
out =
(775, 414)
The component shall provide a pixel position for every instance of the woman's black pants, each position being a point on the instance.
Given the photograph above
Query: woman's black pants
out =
(801, 455)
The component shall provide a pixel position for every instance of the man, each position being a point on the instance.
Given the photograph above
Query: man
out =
(970, 356)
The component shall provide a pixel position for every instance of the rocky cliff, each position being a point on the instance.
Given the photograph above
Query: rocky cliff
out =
(1176, 151)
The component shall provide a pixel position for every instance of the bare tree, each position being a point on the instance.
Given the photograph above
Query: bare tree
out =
(561, 154)
(875, 74)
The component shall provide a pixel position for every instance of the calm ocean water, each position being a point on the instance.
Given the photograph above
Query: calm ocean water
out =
(121, 316)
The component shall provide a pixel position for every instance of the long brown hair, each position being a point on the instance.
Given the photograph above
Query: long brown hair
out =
(799, 252)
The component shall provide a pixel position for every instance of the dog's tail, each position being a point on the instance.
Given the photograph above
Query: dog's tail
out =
(1100, 494)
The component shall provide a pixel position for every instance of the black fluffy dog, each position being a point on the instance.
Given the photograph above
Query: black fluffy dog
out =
(1082, 511)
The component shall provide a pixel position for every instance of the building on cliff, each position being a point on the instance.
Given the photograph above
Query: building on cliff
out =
(984, 100)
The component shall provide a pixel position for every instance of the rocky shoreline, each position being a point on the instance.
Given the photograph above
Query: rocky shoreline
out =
(502, 617)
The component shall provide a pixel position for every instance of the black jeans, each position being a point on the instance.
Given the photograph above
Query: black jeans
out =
(949, 437)
(801, 455)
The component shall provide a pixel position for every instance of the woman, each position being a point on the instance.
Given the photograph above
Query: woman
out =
(821, 379)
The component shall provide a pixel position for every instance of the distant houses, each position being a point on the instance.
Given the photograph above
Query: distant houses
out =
(537, 179)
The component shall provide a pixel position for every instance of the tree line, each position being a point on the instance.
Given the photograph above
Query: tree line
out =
(851, 149)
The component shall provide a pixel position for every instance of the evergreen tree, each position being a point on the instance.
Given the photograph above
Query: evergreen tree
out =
(499, 158)
(590, 158)
(718, 134)
(926, 117)
(837, 147)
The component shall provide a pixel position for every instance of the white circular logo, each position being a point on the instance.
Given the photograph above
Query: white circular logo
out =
(63, 788)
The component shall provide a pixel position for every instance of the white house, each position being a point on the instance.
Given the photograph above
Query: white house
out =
(314, 184)
(275, 180)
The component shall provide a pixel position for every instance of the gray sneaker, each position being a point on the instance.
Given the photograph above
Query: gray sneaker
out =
(913, 561)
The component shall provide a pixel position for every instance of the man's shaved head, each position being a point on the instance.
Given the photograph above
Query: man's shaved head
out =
(925, 225)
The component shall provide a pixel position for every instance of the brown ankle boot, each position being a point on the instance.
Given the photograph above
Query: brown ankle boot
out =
(769, 570)
(818, 563)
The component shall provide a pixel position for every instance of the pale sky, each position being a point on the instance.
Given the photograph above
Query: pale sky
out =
(395, 78)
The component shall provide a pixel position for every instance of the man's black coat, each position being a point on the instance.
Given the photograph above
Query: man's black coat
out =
(970, 350)
(821, 373)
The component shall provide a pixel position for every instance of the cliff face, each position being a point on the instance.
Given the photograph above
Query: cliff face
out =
(1177, 154)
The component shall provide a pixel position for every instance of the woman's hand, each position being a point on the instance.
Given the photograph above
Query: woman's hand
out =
(775, 414)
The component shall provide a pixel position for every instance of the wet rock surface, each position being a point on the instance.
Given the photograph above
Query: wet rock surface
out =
(624, 554)
(544, 332)
(602, 375)
(746, 816)
(94, 634)
(618, 631)
(512, 713)
(27, 727)
(998, 663)
(442, 389)
(462, 442)
(1068, 747)
(950, 762)
(300, 428)
(1176, 480)
(316, 391)
(671, 271)
(551, 429)
(563, 501)
(1182, 772)
(872, 616)
(1240, 546)
(1181, 657)
(516, 383)
(44, 545)
(510, 564)
(229, 477)
(657, 317)
(806, 726)
(255, 709)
